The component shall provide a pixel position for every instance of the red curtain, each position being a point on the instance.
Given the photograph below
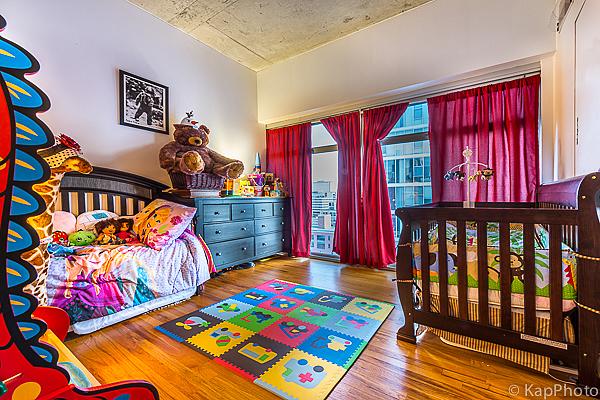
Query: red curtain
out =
(345, 130)
(378, 230)
(500, 124)
(289, 158)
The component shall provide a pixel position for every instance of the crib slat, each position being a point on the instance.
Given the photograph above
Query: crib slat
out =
(425, 266)
(505, 276)
(556, 321)
(529, 278)
(461, 238)
(81, 208)
(443, 267)
(123, 205)
(482, 273)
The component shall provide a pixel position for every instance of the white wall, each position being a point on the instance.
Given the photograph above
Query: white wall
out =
(438, 40)
(82, 43)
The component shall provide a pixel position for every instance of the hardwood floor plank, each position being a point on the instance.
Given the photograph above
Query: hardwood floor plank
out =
(387, 369)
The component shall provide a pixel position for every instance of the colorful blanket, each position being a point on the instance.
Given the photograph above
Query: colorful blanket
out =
(97, 281)
(542, 268)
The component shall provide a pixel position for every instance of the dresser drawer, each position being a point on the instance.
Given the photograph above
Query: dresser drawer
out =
(228, 231)
(242, 211)
(279, 209)
(216, 212)
(268, 225)
(269, 244)
(263, 210)
(231, 251)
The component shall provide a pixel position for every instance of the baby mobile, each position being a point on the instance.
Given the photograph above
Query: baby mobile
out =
(469, 170)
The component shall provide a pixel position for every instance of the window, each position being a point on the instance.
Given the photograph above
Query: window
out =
(407, 161)
(324, 192)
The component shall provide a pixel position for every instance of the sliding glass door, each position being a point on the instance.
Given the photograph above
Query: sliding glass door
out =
(324, 192)
(407, 161)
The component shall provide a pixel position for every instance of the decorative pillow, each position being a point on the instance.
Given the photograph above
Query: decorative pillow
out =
(87, 220)
(63, 221)
(162, 221)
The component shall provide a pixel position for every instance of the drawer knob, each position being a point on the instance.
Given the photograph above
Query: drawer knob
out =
(263, 210)
(244, 229)
(243, 211)
(218, 232)
(281, 208)
(263, 226)
(283, 240)
(282, 223)
(264, 244)
(218, 254)
(217, 213)
(244, 249)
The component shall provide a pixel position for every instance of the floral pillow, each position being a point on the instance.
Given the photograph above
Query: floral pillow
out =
(161, 222)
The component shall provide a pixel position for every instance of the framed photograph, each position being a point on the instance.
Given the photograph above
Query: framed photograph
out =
(143, 104)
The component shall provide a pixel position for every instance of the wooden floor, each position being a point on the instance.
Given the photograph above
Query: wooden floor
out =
(387, 369)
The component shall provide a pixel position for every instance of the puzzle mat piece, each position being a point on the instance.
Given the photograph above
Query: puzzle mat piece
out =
(354, 325)
(300, 375)
(369, 308)
(220, 339)
(253, 296)
(255, 319)
(255, 355)
(303, 292)
(334, 347)
(281, 304)
(276, 286)
(314, 313)
(332, 299)
(188, 325)
(289, 331)
(226, 309)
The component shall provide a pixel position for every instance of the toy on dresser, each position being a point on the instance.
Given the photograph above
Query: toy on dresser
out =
(126, 233)
(107, 232)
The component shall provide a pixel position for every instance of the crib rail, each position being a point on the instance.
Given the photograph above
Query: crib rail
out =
(569, 211)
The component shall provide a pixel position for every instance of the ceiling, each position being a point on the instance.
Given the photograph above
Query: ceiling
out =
(258, 33)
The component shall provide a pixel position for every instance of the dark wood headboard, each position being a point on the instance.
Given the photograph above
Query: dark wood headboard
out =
(107, 189)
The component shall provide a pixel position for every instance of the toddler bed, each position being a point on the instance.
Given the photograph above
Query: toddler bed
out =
(102, 285)
(515, 280)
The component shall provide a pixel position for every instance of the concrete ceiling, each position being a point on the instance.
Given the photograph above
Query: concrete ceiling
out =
(258, 33)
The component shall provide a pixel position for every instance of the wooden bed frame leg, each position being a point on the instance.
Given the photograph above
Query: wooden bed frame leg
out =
(199, 289)
(404, 281)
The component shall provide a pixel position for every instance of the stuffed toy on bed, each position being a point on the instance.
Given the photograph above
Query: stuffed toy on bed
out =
(82, 238)
(107, 232)
(125, 232)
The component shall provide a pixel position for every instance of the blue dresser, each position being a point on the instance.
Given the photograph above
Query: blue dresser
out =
(241, 229)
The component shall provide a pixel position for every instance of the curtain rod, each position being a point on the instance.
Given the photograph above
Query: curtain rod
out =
(316, 118)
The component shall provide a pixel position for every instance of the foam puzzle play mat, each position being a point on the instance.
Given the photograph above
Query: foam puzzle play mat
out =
(296, 341)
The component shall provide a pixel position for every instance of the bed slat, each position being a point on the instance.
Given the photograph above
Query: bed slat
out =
(425, 266)
(110, 199)
(529, 278)
(96, 201)
(482, 273)
(556, 322)
(461, 238)
(65, 202)
(505, 276)
(443, 267)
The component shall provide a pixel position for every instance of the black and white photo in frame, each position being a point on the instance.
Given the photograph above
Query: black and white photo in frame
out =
(143, 103)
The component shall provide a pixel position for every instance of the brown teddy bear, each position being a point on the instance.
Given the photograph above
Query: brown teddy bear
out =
(188, 153)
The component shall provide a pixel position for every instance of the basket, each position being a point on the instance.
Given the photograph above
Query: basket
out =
(197, 181)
